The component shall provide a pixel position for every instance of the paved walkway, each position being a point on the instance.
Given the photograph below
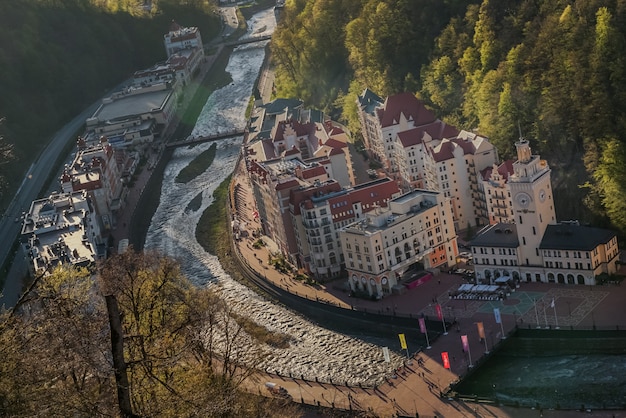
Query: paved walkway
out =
(418, 387)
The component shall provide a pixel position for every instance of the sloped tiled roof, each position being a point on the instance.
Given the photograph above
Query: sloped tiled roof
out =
(301, 129)
(369, 101)
(505, 170)
(497, 235)
(367, 194)
(314, 171)
(408, 105)
(279, 105)
(436, 130)
(574, 237)
(297, 196)
(444, 151)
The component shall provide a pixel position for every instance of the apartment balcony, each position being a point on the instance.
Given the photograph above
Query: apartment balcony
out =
(310, 223)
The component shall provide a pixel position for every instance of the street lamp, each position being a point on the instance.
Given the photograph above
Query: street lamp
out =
(495, 396)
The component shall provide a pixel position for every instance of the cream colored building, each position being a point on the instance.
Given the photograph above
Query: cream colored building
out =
(497, 192)
(535, 248)
(414, 233)
(420, 151)
(61, 229)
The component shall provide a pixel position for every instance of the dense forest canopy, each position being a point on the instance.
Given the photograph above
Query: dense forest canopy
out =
(64, 54)
(550, 69)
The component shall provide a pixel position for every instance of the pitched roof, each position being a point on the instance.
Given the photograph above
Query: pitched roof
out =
(505, 170)
(367, 194)
(497, 235)
(570, 236)
(279, 106)
(300, 195)
(436, 130)
(301, 129)
(369, 101)
(314, 171)
(409, 106)
(444, 151)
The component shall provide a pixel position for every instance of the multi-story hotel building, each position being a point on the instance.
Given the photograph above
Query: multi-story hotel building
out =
(415, 232)
(322, 209)
(95, 170)
(61, 229)
(180, 38)
(301, 208)
(536, 247)
(497, 192)
(420, 151)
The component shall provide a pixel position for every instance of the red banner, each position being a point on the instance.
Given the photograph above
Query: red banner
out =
(422, 325)
(481, 330)
(445, 359)
(465, 343)
(439, 313)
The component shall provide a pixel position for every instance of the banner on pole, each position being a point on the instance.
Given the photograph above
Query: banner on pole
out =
(402, 341)
(465, 343)
(496, 313)
(439, 313)
(422, 325)
(481, 330)
(445, 359)
(386, 354)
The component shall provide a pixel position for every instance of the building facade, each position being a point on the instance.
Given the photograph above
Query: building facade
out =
(322, 209)
(415, 232)
(95, 170)
(420, 151)
(535, 248)
(61, 229)
(180, 38)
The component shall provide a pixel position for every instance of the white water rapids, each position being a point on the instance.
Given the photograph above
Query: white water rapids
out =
(314, 351)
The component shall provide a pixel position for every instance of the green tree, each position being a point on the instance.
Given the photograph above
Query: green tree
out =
(610, 177)
(182, 349)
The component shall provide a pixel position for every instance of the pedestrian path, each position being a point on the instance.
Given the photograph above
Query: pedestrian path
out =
(418, 386)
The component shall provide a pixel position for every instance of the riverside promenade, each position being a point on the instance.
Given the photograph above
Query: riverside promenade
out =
(417, 388)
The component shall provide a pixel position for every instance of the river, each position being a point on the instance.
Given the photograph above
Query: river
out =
(314, 352)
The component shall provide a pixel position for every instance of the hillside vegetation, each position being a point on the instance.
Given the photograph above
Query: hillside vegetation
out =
(59, 56)
(550, 69)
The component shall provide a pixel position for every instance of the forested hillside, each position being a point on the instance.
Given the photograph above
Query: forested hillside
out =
(552, 69)
(59, 56)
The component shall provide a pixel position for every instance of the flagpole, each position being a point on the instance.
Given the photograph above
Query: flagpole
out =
(555, 318)
(486, 349)
(443, 321)
(545, 316)
(469, 353)
(537, 314)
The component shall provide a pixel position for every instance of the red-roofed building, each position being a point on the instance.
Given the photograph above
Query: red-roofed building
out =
(459, 161)
(179, 38)
(95, 171)
(415, 162)
(320, 210)
(381, 122)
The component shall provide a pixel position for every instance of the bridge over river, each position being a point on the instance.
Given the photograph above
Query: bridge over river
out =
(208, 138)
(248, 40)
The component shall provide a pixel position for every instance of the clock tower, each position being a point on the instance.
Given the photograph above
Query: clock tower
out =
(533, 207)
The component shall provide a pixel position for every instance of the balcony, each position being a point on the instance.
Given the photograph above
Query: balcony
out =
(310, 223)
